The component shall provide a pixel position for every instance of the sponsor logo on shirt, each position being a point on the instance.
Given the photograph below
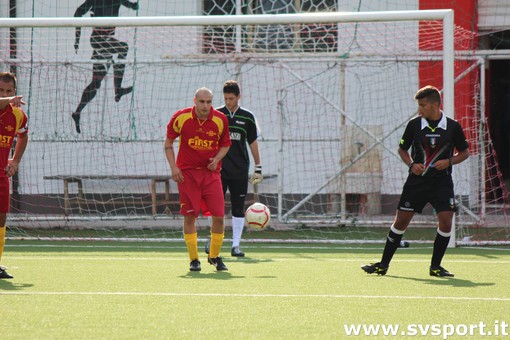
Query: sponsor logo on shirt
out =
(235, 136)
(197, 143)
(5, 141)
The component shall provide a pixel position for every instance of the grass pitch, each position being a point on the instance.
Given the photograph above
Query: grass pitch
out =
(109, 290)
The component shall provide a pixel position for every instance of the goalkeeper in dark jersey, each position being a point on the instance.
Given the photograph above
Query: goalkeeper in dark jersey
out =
(434, 139)
(235, 165)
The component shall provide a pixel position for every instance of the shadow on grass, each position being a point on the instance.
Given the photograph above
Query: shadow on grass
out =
(9, 285)
(210, 275)
(446, 281)
(248, 260)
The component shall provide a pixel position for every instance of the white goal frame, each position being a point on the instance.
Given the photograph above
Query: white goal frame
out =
(446, 16)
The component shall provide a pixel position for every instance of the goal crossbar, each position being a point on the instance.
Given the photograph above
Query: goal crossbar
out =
(323, 18)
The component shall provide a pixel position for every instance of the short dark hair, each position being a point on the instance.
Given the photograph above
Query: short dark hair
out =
(231, 86)
(430, 92)
(8, 77)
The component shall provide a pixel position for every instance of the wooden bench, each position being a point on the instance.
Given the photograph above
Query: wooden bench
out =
(78, 179)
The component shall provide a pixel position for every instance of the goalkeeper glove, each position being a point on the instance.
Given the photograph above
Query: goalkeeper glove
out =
(257, 177)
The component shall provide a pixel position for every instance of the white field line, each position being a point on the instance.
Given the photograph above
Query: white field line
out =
(183, 246)
(324, 296)
(184, 257)
(95, 246)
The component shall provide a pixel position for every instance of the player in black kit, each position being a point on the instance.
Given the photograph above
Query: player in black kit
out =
(433, 138)
(235, 165)
(105, 45)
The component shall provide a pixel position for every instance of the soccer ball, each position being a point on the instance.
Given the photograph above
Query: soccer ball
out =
(257, 216)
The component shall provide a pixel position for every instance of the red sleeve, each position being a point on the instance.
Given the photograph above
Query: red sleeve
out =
(23, 126)
(173, 130)
(21, 120)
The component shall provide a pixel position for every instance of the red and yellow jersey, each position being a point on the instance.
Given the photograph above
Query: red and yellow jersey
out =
(199, 141)
(12, 121)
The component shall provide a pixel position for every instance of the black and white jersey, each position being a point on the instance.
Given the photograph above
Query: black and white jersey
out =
(432, 141)
(243, 131)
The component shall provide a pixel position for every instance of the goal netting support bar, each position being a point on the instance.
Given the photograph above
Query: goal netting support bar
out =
(332, 93)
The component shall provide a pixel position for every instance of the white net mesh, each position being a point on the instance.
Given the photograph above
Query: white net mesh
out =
(332, 101)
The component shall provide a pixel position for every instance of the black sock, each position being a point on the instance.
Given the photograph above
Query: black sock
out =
(392, 243)
(440, 245)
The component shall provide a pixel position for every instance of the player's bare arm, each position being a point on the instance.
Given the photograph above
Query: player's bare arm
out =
(170, 156)
(213, 164)
(14, 100)
(21, 145)
(254, 148)
(256, 177)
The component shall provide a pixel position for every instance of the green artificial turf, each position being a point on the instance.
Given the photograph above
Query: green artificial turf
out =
(110, 290)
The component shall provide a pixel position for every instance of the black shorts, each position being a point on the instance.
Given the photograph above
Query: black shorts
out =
(418, 191)
(238, 188)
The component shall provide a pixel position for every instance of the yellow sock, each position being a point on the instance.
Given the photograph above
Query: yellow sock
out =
(216, 243)
(2, 240)
(192, 245)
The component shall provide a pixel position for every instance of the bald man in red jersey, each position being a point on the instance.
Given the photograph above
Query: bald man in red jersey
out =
(13, 123)
(204, 140)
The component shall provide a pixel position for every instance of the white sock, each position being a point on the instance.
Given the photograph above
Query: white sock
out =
(237, 230)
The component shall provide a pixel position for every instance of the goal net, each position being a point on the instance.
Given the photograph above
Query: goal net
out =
(332, 93)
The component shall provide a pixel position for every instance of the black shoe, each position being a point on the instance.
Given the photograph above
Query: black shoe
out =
(207, 246)
(194, 266)
(236, 252)
(122, 91)
(4, 274)
(218, 263)
(76, 118)
(440, 271)
(376, 268)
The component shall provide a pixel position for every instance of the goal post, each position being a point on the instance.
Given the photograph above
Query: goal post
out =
(332, 92)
